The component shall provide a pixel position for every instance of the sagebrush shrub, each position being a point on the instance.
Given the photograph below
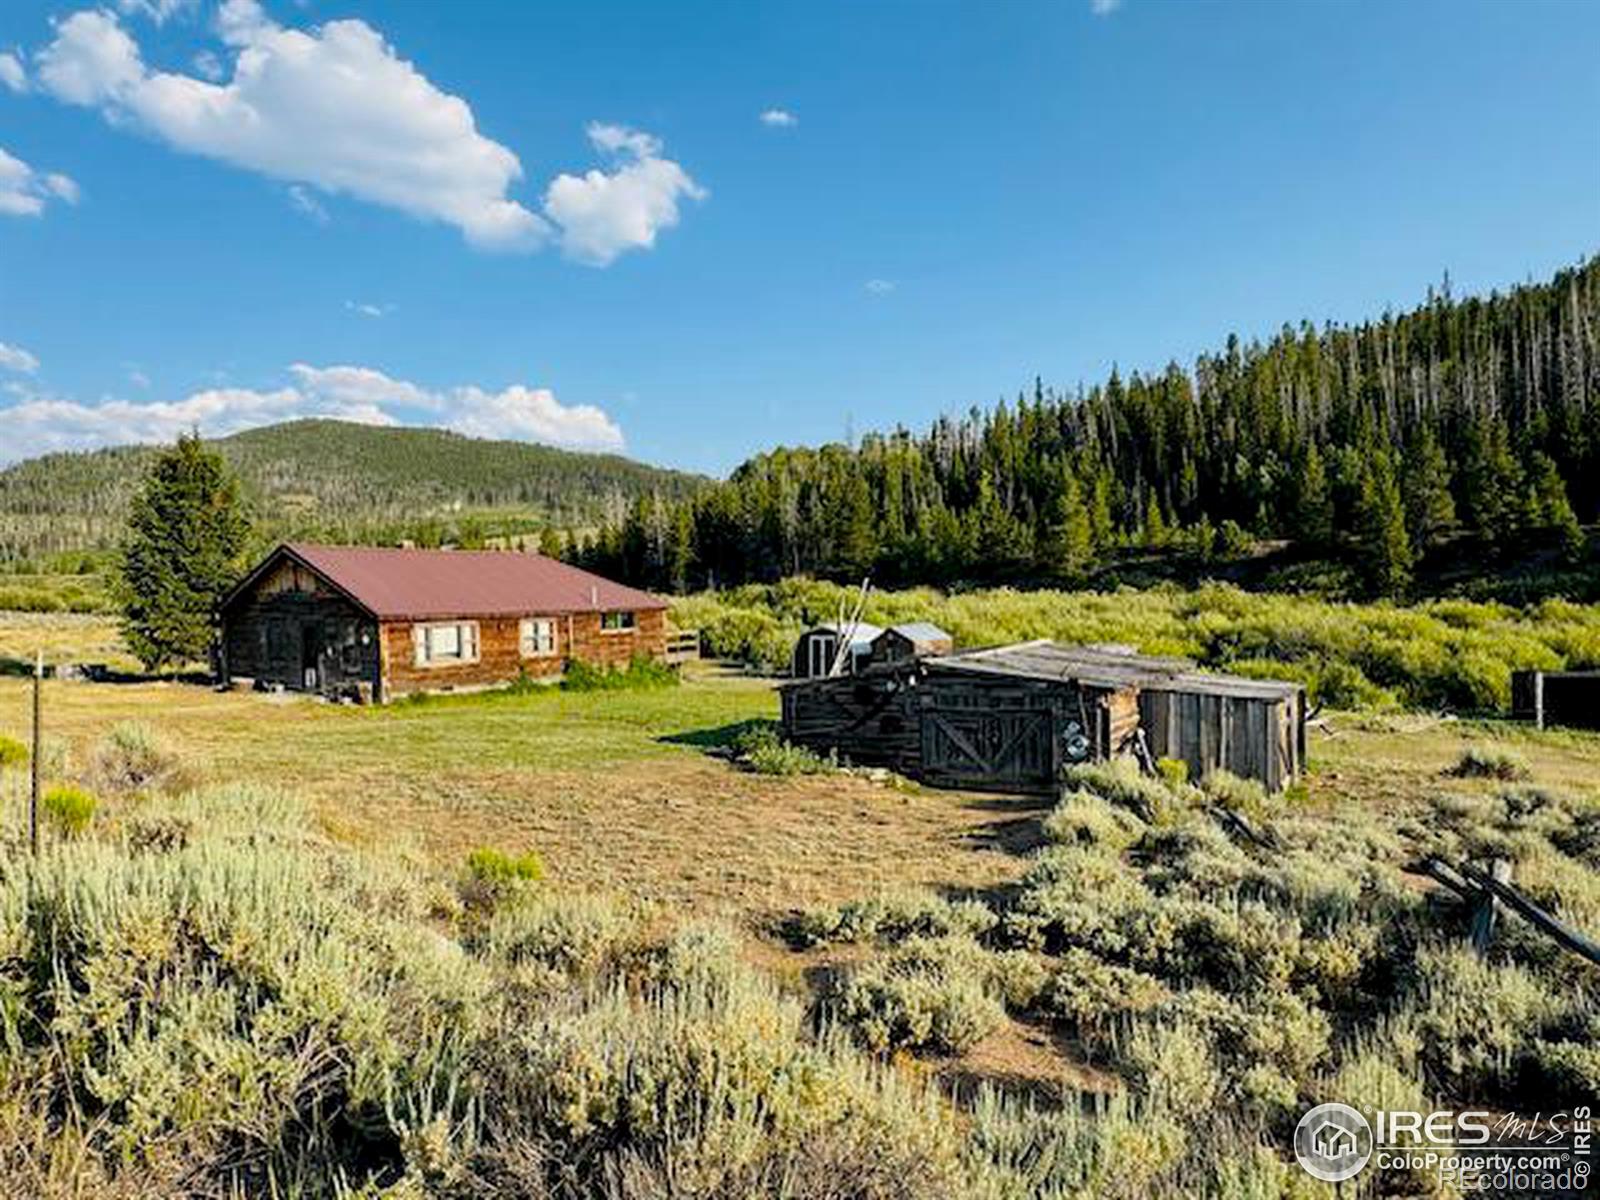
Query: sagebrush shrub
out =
(69, 809)
(133, 758)
(12, 752)
(1491, 762)
(917, 998)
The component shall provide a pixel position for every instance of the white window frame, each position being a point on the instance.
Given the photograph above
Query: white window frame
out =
(536, 637)
(422, 635)
(630, 627)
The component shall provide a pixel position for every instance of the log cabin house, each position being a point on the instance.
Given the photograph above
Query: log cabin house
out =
(373, 623)
(1009, 718)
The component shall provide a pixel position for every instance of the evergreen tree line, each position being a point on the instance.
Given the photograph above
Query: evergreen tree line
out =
(1474, 421)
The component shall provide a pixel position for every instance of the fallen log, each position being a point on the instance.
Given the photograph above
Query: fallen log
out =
(1562, 935)
(1485, 889)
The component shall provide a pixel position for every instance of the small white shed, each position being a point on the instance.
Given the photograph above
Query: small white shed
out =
(818, 647)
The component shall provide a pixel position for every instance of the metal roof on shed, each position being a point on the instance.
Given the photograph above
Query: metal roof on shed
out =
(401, 584)
(860, 632)
(1105, 667)
(920, 631)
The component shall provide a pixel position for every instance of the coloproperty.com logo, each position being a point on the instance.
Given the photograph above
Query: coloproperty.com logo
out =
(1475, 1151)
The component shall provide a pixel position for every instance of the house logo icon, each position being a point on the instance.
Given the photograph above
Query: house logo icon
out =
(1333, 1142)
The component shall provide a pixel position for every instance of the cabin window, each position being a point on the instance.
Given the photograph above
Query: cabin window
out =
(446, 643)
(616, 622)
(538, 637)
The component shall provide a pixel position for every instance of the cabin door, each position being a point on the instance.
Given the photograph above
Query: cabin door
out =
(1008, 749)
(311, 656)
(823, 650)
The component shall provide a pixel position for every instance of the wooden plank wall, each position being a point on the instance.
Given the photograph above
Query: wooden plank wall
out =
(1254, 738)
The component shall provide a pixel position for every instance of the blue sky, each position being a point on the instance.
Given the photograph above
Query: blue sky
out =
(573, 223)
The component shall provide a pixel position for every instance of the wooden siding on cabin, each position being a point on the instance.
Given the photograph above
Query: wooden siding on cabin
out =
(869, 719)
(500, 659)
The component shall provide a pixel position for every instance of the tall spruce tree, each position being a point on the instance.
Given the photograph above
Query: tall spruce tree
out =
(1068, 546)
(183, 550)
(1425, 487)
(1384, 543)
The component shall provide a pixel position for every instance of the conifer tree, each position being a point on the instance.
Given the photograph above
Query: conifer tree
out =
(1384, 543)
(1313, 516)
(1068, 547)
(1425, 487)
(1155, 525)
(1556, 520)
(183, 550)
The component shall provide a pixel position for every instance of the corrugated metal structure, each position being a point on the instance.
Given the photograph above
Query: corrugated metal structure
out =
(1010, 718)
(816, 649)
(1549, 698)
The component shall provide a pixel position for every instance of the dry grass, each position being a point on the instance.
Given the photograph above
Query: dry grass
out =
(614, 790)
(64, 638)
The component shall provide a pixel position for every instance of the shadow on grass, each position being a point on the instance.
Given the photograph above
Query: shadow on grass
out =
(22, 668)
(720, 737)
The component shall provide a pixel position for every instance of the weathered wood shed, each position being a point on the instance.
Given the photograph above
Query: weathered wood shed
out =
(1006, 718)
(1010, 718)
(1253, 728)
(911, 640)
(1570, 698)
(816, 649)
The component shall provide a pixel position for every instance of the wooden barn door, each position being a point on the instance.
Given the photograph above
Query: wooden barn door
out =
(1008, 749)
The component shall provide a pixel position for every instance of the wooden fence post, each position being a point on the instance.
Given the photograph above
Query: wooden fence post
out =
(33, 791)
(1489, 908)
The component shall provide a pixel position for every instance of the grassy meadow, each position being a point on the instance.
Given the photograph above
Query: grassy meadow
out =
(275, 959)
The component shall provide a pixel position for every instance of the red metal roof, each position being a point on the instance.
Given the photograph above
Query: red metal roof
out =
(421, 584)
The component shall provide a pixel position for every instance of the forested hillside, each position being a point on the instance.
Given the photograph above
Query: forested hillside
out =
(1470, 425)
(339, 481)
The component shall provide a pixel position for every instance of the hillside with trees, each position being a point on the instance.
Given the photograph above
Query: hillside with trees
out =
(1465, 431)
(337, 481)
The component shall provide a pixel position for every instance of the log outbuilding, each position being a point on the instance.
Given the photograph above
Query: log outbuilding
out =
(1009, 718)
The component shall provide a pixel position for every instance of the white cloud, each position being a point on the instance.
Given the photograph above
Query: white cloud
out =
(359, 386)
(779, 118)
(24, 192)
(332, 107)
(15, 358)
(40, 423)
(304, 202)
(879, 287)
(531, 414)
(158, 11)
(602, 213)
(1104, 8)
(12, 73)
(365, 309)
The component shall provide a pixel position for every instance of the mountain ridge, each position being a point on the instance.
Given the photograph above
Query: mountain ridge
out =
(340, 480)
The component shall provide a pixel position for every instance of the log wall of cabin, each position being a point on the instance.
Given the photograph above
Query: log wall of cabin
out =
(500, 660)
(291, 620)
